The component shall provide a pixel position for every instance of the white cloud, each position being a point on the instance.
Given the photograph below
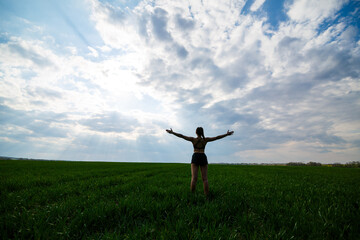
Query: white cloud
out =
(298, 152)
(116, 26)
(256, 5)
(288, 94)
(72, 84)
(314, 11)
(229, 61)
(93, 52)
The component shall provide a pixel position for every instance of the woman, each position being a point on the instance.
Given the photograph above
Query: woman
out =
(199, 158)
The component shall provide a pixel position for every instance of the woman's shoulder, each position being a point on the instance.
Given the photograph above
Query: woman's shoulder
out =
(200, 140)
(192, 139)
(195, 139)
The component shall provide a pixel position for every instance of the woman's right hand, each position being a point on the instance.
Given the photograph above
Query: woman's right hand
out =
(169, 130)
(229, 133)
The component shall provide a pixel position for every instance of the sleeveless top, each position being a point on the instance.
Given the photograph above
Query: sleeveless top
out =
(199, 144)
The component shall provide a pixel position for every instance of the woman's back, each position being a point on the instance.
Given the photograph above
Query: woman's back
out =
(199, 144)
(199, 158)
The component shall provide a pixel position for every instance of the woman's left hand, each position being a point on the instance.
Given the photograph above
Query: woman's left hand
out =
(169, 130)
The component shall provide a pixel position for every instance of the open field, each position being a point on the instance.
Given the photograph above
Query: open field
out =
(50, 199)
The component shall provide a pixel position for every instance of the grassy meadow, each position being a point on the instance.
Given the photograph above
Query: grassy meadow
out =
(93, 200)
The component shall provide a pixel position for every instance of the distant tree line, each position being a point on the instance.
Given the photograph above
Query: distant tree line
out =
(353, 164)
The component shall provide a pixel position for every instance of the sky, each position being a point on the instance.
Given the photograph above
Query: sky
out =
(102, 80)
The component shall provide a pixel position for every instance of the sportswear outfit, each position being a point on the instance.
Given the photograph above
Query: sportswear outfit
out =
(199, 159)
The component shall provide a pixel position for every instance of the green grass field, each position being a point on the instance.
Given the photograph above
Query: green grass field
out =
(62, 200)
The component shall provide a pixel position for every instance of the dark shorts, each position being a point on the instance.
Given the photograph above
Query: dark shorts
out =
(199, 159)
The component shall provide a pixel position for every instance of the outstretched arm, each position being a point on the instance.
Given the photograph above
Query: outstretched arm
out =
(179, 135)
(220, 136)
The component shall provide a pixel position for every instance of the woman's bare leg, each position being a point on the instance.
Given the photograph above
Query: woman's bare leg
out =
(194, 176)
(204, 178)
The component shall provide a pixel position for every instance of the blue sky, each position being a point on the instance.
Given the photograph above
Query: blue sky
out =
(102, 80)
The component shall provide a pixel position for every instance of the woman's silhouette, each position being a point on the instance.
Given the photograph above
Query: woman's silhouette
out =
(199, 158)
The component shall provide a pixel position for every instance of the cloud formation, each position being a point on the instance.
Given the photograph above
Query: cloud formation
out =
(289, 90)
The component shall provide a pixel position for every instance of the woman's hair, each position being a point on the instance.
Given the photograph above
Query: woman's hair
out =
(200, 132)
